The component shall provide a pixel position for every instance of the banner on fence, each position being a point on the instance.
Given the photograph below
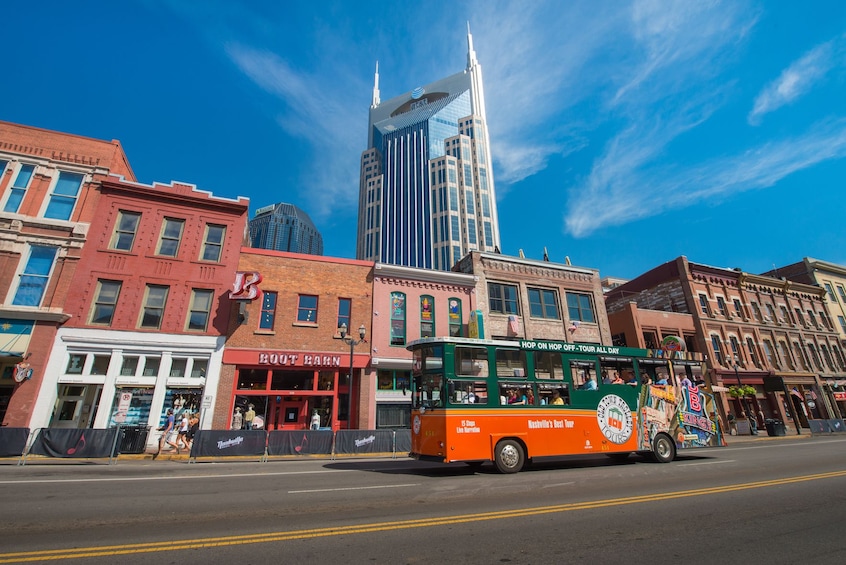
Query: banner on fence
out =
(13, 441)
(354, 442)
(225, 443)
(306, 442)
(74, 443)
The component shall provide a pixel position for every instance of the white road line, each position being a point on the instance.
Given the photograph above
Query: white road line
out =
(171, 478)
(351, 488)
(705, 463)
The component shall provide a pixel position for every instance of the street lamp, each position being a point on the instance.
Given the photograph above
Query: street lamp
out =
(735, 362)
(352, 343)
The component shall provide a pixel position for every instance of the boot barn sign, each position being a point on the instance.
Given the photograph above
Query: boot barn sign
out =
(284, 359)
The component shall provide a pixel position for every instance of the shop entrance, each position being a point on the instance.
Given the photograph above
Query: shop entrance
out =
(76, 406)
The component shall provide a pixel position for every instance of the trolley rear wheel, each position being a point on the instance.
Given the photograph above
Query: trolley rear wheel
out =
(663, 448)
(509, 456)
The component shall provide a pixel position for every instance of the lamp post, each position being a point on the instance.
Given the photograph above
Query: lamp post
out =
(352, 343)
(735, 362)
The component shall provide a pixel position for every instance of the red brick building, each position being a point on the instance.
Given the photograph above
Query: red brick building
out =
(284, 356)
(48, 201)
(750, 327)
(148, 308)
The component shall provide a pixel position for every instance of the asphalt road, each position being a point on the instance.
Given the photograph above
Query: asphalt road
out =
(773, 502)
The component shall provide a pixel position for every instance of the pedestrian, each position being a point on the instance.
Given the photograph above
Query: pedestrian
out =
(167, 433)
(183, 432)
(315, 421)
(193, 427)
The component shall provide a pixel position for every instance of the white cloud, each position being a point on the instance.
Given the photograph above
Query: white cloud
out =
(798, 79)
(316, 114)
(621, 189)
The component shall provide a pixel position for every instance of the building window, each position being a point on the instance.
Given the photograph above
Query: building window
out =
(76, 363)
(18, 188)
(268, 310)
(721, 306)
(213, 242)
(842, 321)
(397, 318)
(455, 317)
(64, 196)
(812, 318)
(32, 282)
(800, 355)
(177, 368)
(830, 292)
(151, 366)
(768, 351)
(390, 379)
(427, 316)
(785, 314)
(738, 308)
(756, 311)
(826, 356)
(502, 298)
(799, 317)
(839, 356)
(199, 368)
(125, 230)
(307, 309)
(826, 321)
(543, 303)
(129, 366)
(105, 302)
(100, 364)
(201, 303)
(155, 297)
(650, 340)
(718, 352)
(735, 349)
(784, 351)
(814, 356)
(703, 305)
(753, 352)
(580, 308)
(842, 292)
(170, 237)
(344, 312)
(771, 316)
(619, 340)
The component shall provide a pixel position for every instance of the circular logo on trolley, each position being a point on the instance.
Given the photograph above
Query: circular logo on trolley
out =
(416, 424)
(615, 419)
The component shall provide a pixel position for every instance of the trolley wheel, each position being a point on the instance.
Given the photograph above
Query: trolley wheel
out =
(509, 457)
(663, 448)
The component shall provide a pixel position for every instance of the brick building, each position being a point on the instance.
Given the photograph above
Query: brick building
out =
(528, 299)
(750, 328)
(148, 308)
(48, 202)
(284, 355)
(408, 304)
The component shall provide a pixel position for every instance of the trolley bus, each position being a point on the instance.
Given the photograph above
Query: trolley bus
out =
(510, 402)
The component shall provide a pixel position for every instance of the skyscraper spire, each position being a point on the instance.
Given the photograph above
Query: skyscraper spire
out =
(471, 54)
(376, 101)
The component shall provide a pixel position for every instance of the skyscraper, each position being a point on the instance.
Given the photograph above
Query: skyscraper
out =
(284, 227)
(426, 189)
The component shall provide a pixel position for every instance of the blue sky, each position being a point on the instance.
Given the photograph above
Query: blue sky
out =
(623, 134)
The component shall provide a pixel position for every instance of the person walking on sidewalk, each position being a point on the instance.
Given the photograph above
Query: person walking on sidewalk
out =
(168, 433)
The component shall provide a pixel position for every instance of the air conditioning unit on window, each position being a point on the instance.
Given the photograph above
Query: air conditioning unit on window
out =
(767, 320)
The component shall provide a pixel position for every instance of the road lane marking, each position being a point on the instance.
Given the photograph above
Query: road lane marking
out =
(172, 478)
(351, 488)
(202, 543)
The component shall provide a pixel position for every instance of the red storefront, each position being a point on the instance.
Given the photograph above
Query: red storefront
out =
(286, 388)
(285, 360)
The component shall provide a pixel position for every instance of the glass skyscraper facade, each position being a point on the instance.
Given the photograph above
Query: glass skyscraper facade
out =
(284, 227)
(426, 192)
